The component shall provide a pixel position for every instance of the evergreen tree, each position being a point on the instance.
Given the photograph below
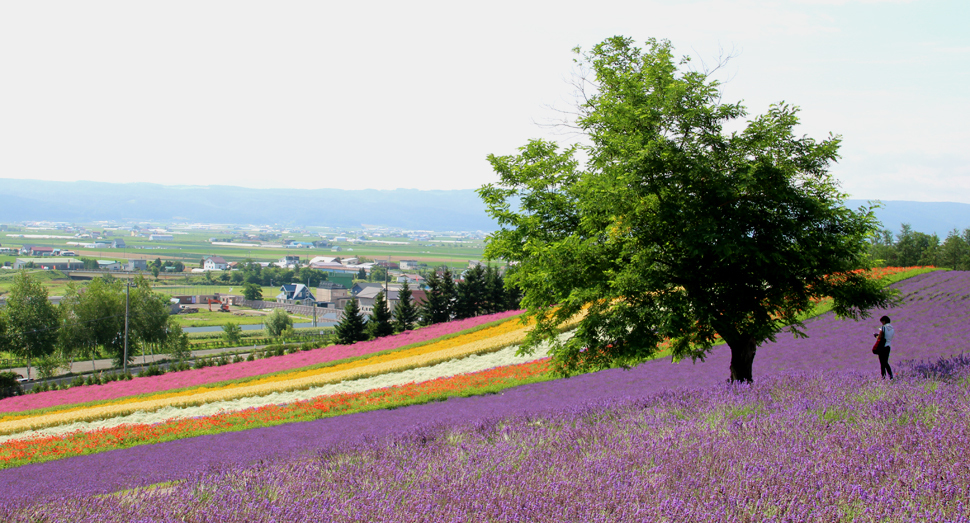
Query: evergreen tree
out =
(449, 292)
(405, 314)
(351, 328)
(470, 293)
(436, 307)
(494, 291)
(379, 324)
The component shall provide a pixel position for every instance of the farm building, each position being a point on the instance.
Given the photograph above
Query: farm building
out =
(60, 264)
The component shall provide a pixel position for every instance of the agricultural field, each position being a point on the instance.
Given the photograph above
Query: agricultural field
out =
(190, 246)
(55, 281)
(447, 421)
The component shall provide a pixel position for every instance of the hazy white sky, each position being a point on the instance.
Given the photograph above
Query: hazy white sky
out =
(415, 94)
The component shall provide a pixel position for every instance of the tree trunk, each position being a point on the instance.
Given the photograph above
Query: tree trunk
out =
(742, 357)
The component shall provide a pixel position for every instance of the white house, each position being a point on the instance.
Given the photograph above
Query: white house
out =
(289, 262)
(215, 263)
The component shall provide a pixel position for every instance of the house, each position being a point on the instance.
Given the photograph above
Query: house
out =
(68, 253)
(288, 262)
(368, 296)
(294, 292)
(335, 248)
(409, 265)
(36, 252)
(387, 264)
(137, 265)
(329, 291)
(109, 265)
(415, 279)
(299, 245)
(215, 263)
(118, 243)
(360, 286)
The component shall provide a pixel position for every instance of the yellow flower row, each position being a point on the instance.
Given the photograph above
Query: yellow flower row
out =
(508, 326)
(486, 340)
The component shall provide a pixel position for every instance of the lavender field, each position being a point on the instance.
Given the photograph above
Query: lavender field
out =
(817, 437)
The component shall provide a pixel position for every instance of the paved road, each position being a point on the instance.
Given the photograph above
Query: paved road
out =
(85, 367)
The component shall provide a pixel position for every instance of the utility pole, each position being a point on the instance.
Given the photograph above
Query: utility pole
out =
(127, 300)
(313, 302)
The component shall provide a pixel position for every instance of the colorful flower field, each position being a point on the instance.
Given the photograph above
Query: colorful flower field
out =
(818, 437)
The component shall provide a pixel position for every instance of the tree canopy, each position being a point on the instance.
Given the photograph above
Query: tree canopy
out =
(277, 322)
(29, 322)
(674, 230)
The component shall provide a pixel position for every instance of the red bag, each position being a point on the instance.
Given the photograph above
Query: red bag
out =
(875, 347)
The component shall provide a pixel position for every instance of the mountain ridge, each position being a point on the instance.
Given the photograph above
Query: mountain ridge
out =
(460, 209)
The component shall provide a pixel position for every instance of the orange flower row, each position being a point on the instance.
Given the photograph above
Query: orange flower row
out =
(19, 452)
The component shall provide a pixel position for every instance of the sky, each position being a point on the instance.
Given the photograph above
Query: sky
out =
(385, 95)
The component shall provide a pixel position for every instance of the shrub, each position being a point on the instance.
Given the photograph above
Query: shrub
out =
(9, 386)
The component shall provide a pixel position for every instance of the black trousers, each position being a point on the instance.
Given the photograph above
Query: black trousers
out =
(884, 367)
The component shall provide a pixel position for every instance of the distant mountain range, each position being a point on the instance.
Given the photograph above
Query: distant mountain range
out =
(136, 202)
(457, 210)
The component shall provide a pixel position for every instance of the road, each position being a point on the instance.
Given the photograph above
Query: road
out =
(85, 367)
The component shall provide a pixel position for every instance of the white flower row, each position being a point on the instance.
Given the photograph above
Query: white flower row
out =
(466, 365)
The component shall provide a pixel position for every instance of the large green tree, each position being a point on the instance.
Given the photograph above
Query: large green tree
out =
(675, 229)
(29, 320)
(75, 337)
(148, 316)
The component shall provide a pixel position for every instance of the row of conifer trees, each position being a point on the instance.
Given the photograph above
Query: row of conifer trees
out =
(481, 290)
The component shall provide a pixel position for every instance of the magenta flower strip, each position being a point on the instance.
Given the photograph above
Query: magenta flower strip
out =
(197, 377)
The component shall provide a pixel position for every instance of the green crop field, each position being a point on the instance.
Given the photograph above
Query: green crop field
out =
(191, 246)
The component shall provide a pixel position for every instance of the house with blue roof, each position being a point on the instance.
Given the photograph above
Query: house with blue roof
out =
(294, 292)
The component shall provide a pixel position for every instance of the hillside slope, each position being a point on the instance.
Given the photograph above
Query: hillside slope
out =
(929, 323)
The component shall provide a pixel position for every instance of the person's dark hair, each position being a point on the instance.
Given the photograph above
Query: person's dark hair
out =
(885, 319)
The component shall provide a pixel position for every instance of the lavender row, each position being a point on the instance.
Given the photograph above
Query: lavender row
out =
(832, 346)
(802, 447)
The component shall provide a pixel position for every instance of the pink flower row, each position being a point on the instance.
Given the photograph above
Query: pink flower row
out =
(192, 378)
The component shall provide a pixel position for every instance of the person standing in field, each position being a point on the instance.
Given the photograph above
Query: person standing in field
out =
(884, 340)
